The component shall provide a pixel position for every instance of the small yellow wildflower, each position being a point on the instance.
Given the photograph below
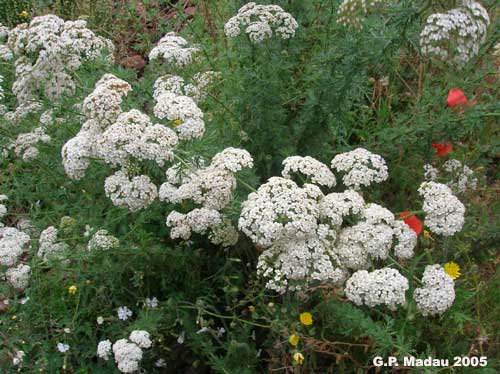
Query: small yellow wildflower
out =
(299, 358)
(72, 290)
(452, 269)
(427, 235)
(294, 340)
(88, 281)
(177, 122)
(306, 319)
(251, 308)
(23, 14)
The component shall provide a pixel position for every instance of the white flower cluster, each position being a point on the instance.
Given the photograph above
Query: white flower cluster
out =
(455, 36)
(126, 352)
(3, 208)
(197, 90)
(134, 137)
(134, 193)
(260, 21)
(123, 313)
(25, 144)
(384, 286)
(119, 139)
(212, 188)
(184, 113)
(174, 50)
(101, 108)
(496, 50)
(49, 246)
(311, 168)
(12, 245)
(5, 52)
(352, 13)
(18, 276)
(437, 293)
(22, 111)
(310, 237)
(361, 168)
(47, 51)
(102, 240)
(457, 176)
(126, 139)
(444, 212)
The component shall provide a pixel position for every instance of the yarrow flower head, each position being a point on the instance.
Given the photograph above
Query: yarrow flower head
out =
(318, 172)
(104, 349)
(12, 244)
(455, 36)
(173, 107)
(381, 287)
(25, 144)
(18, 276)
(361, 168)
(174, 50)
(48, 50)
(102, 240)
(444, 212)
(134, 193)
(260, 22)
(437, 293)
(141, 338)
(197, 90)
(49, 246)
(127, 355)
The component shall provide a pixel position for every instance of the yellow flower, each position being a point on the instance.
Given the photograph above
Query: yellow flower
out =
(177, 122)
(88, 281)
(427, 235)
(293, 340)
(72, 290)
(452, 269)
(23, 14)
(299, 358)
(251, 308)
(306, 319)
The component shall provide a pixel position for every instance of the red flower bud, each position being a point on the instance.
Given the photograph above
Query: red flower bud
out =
(414, 223)
(456, 97)
(442, 149)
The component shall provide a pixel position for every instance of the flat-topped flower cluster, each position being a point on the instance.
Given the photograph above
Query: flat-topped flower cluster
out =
(127, 353)
(457, 35)
(46, 52)
(260, 22)
(459, 177)
(311, 237)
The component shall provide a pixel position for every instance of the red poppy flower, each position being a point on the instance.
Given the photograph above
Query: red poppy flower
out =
(442, 149)
(456, 97)
(414, 223)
